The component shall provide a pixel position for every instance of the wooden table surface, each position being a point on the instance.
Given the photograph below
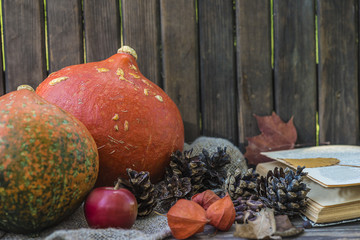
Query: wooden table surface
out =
(342, 231)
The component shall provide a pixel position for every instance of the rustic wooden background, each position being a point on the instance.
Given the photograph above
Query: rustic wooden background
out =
(219, 60)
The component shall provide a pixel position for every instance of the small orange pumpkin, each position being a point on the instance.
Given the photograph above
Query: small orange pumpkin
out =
(134, 123)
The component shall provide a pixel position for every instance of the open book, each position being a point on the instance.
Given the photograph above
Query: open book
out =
(326, 203)
(344, 172)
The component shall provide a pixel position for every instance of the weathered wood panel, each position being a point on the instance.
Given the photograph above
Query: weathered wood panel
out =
(2, 74)
(102, 29)
(180, 61)
(141, 31)
(65, 33)
(254, 72)
(198, 61)
(295, 66)
(343, 231)
(24, 43)
(338, 71)
(217, 69)
(2, 84)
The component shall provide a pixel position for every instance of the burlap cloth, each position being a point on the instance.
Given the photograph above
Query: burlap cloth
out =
(75, 228)
(211, 144)
(151, 227)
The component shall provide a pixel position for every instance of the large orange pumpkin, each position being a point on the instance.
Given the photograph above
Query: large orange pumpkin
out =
(134, 123)
(48, 162)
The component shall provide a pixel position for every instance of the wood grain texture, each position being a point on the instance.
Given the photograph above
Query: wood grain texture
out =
(65, 33)
(141, 31)
(24, 43)
(295, 66)
(338, 72)
(217, 69)
(254, 72)
(2, 74)
(343, 231)
(2, 85)
(102, 29)
(180, 61)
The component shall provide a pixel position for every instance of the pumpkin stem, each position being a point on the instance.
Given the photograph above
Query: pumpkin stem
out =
(128, 50)
(28, 87)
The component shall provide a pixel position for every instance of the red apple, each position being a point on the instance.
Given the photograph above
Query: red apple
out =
(110, 207)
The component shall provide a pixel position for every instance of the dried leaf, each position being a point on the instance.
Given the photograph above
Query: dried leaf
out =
(222, 213)
(263, 227)
(285, 228)
(275, 135)
(205, 199)
(186, 218)
(282, 223)
(312, 162)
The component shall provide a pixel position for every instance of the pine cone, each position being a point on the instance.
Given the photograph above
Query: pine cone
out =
(139, 184)
(182, 165)
(246, 208)
(172, 189)
(239, 184)
(284, 190)
(187, 176)
(215, 174)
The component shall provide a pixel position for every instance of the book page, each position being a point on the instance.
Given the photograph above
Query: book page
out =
(326, 197)
(345, 173)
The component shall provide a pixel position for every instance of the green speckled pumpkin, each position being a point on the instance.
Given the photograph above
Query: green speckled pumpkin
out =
(48, 162)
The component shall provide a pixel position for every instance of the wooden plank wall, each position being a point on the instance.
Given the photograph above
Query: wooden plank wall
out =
(68, 13)
(295, 65)
(221, 61)
(338, 71)
(253, 61)
(24, 41)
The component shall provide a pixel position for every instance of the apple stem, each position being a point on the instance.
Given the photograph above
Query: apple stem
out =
(117, 185)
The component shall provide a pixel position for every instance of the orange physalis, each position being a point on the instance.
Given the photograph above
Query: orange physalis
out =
(205, 199)
(186, 218)
(221, 213)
